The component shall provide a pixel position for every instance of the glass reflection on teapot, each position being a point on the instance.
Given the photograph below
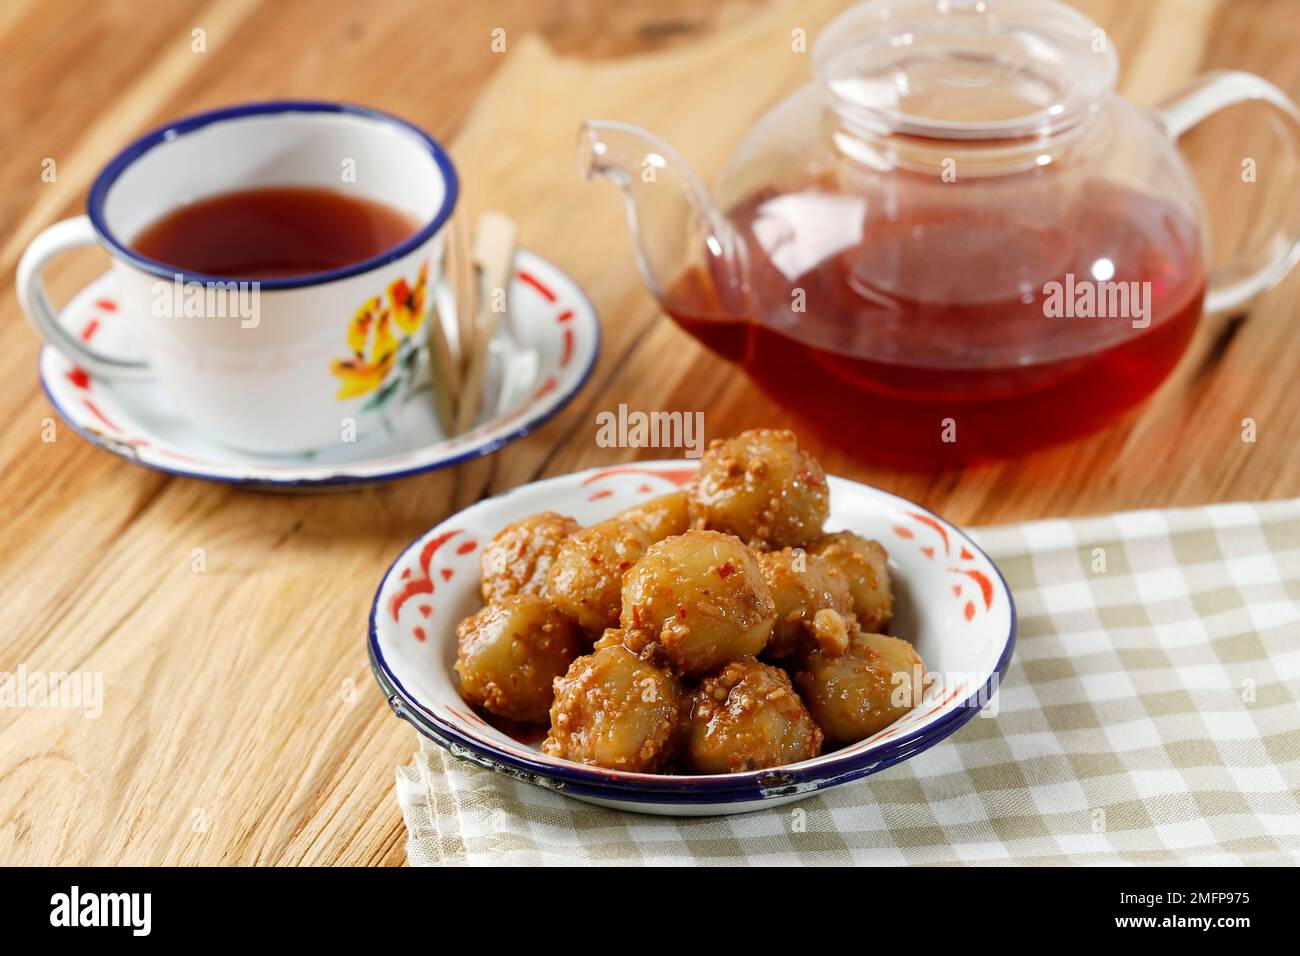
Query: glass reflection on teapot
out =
(957, 244)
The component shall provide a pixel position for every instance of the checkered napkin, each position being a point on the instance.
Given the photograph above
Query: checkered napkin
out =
(1150, 715)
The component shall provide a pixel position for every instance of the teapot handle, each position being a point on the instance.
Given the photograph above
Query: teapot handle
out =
(1254, 270)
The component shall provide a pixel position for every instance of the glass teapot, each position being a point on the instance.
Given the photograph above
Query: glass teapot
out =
(958, 243)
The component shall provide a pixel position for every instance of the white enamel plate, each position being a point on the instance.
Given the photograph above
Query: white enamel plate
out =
(950, 601)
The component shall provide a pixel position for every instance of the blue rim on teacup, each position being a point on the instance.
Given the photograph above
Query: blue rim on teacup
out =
(628, 789)
(171, 131)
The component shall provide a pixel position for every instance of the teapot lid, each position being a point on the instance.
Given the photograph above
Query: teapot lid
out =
(964, 69)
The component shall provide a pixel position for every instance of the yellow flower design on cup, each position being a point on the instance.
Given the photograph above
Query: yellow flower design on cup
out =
(381, 340)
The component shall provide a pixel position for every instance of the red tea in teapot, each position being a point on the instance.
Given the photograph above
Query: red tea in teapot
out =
(957, 242)
(954, 333)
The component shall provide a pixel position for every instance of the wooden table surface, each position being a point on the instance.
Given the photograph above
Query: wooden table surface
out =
(240, 723)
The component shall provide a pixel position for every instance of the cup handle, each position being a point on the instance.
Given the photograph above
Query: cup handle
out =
(1253, 270)
(53, 241)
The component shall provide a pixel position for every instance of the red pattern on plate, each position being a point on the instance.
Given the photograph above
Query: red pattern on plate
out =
(94, 410)
(980, 578)
(468, 717)
(969, 608)
(944, 702)
(568, 347)
(424, 584)
(537, 284)
(931, 523)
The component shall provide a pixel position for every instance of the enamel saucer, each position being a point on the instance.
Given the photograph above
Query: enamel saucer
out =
(136, 420)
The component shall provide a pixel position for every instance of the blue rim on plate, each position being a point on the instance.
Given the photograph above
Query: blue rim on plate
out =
(528, 425)
(579, 780)
(171, 131)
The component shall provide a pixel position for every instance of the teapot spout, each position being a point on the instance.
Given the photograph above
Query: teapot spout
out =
(680, 238)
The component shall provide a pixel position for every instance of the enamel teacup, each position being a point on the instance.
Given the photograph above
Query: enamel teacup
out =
(282, 365)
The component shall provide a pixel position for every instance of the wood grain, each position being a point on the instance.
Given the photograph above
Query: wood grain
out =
(240, 723)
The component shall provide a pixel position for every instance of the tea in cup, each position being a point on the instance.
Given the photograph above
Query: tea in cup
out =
(277, 262)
